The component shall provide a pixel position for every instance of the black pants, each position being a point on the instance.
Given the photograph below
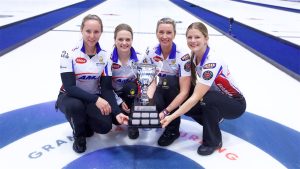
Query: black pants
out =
(128, 93)
(211, 110)
(84, 116)
(165, 93)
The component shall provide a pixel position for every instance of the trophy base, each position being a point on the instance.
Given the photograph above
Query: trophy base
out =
(144, 115)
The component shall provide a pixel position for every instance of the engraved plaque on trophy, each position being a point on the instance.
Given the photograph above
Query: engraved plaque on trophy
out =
(143, 113)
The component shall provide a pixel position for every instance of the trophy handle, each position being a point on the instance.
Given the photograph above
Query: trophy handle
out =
(133, 67)
(159, 70)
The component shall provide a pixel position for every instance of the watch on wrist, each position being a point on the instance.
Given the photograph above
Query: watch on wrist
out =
(166, 112)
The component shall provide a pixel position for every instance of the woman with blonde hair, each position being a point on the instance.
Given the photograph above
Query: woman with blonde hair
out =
(215, 96)
(174, 78)
(86, 96)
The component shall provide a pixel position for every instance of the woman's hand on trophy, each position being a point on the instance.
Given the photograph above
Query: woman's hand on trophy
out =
(166, 121)
(122, 118)
(125, 107)
(161, 115)
(103, 106)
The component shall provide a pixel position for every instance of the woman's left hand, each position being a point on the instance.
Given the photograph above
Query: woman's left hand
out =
(125, 107)
(166, 121)
(122, 118)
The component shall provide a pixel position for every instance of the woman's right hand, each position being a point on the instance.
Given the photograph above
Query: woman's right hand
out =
(122, 118)
(103, 106)
(161, 115)
(166, 121)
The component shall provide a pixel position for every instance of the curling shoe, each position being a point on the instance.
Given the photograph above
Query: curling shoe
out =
(205, 150)
(79, 145)
(133, 133)
(168, 137)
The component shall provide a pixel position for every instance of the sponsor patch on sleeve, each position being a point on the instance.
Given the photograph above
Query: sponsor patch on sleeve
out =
(147, 51)
(187, 66)
(209, 66)
(185, 57)
(64, 54)
(207, 75)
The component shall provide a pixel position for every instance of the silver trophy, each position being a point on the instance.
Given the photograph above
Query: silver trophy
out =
(144, 113)
(146, 73)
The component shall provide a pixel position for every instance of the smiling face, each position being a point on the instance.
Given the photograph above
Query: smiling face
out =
(165, 34)
(91, 32)
(196, 40)
(123, 41)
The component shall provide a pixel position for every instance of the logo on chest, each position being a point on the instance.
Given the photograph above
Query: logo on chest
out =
(101, 61)
(88, 77)
(116, 66)
(157, 58)
(122, 81)
(80, 60)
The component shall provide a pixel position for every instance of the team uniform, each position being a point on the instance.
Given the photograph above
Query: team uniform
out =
(124, 82)
(223, 100)
(85, 78)
(171, 69)
(124, 78)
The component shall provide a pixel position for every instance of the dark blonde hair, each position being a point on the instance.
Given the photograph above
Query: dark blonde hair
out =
(203, 29)
(122, 26)
(166, 21)
(91, 17)
(200, 26)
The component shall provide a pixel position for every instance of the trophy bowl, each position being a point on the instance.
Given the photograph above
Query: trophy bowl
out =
(144, 113)
(145, 76)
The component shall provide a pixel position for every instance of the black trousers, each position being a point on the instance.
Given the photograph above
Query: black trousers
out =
(211, 110)
(128, 93)
(166, 91)
(84, 116)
